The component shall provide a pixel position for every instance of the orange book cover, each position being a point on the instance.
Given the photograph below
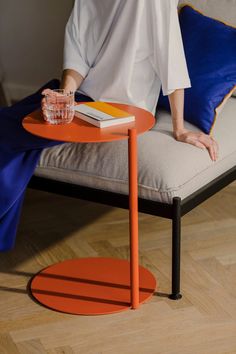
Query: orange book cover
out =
(108, 109)
(102, 114)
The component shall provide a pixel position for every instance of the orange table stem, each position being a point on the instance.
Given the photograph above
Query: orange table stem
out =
(133, 218)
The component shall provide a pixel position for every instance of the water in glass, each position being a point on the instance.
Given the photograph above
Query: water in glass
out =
(59, 107)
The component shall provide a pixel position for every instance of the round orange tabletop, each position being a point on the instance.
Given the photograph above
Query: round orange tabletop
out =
(82, 132)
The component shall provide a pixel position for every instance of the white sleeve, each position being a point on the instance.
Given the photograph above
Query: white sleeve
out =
(74, 49)
(168, 58)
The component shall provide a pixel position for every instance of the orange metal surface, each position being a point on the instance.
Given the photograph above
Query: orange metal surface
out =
(133, 218)
(82, 132)
(90, 286)
(95, 286)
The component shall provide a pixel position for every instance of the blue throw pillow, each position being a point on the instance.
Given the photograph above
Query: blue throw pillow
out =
(210, 48)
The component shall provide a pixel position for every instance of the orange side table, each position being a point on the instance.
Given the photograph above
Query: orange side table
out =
(95, 286)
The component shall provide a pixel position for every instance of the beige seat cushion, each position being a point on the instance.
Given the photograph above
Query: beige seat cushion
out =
(167, 168)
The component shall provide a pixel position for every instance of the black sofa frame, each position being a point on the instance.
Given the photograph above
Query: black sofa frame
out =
(172, 211)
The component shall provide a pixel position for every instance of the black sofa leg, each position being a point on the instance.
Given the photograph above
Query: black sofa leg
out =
(176, 243)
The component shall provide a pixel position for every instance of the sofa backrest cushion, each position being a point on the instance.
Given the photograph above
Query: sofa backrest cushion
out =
(223, 10)
(210, 48)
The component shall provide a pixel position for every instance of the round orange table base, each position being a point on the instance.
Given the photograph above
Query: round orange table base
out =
(90, 286)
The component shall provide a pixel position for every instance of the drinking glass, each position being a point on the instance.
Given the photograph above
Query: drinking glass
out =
(59, 106)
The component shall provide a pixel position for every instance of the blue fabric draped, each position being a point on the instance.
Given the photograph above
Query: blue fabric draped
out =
(19, 154)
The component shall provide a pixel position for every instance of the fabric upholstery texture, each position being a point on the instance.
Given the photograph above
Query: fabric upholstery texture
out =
(210, 48)
(166, 167)
(223, 10)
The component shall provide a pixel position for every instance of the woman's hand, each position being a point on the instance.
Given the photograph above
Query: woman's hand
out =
(71, 81)
(43, 102)
(200, 140)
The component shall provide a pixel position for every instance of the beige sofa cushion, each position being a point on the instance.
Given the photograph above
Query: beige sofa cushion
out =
(167, 168)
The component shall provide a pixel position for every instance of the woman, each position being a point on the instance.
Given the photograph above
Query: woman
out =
(115, 50)
(119, 50)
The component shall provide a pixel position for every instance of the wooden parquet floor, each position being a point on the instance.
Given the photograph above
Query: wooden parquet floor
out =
(54, 228)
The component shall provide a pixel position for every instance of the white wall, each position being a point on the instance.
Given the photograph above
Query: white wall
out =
(31, 43)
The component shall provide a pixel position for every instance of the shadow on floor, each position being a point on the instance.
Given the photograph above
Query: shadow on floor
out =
(46, 220)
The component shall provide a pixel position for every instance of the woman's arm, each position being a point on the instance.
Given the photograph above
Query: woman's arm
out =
(71, 80)
(200, 140)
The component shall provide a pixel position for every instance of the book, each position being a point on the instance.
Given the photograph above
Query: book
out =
(102, 114)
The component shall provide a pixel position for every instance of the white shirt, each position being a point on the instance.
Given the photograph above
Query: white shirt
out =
(126, 49)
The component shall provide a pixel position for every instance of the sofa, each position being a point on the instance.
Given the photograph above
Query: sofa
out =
(173, 178)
